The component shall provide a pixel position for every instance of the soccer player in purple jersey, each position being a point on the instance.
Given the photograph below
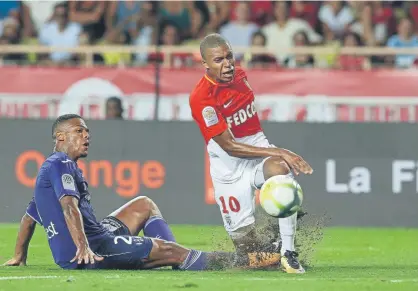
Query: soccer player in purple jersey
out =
(138, 214)
(77, 240)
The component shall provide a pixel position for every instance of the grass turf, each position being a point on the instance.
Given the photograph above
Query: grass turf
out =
(346, 259)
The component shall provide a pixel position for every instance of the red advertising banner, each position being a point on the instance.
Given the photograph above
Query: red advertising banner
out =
(288, 95)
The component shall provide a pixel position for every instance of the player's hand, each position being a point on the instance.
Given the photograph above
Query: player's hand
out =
(15, 262)
(86, 255)
(296, 163)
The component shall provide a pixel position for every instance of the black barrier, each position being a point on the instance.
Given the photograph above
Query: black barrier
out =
(364, 175)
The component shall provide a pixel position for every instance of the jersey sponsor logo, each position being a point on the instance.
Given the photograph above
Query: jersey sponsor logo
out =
(138, 175)
(209, 115)
(66, 161)
(68, 182)
(242, 115)
(50, 230)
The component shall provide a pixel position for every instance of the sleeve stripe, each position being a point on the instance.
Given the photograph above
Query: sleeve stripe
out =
(69, 194)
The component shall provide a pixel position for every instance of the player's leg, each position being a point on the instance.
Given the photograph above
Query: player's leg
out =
(134, 253)
(237, 204)
(141, 213)
(166, 253)
(277, 167)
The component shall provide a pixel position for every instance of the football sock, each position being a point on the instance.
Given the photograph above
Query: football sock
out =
(195, 261)
(287, 233)
(157, 227)
(198, 261)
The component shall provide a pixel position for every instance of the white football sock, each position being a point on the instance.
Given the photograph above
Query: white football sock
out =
(288, 232)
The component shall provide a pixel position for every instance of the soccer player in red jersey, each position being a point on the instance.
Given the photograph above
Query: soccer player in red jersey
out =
(241, 157)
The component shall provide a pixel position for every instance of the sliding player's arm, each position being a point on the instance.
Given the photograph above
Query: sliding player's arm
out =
(24, 236)
(213, 126)
(61, 177)
(75, 226)
(240, 150)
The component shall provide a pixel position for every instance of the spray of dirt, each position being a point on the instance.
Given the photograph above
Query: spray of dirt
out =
(310, 231)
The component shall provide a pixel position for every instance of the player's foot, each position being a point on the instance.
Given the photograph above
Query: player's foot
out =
(263, 260)
(290, 263)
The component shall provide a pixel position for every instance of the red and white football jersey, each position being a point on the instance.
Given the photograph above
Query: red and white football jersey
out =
(215, 107)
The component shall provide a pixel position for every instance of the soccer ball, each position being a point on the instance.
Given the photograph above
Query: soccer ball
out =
(281, 196)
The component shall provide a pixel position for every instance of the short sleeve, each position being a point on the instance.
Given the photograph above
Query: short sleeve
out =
(32, 211)
(61, 175)
(209, 119)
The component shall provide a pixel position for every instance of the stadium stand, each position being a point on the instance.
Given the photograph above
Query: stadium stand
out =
(275, 36)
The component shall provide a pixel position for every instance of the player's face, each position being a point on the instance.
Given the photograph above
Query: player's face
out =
(113, 110)
(220, 63)
(76, 138)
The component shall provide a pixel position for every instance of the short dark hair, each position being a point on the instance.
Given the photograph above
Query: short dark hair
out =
(212, 41)
(61, 119)
(260, 34)
(116, 100)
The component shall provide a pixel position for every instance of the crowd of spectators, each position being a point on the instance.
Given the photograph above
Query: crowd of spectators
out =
(271, 24)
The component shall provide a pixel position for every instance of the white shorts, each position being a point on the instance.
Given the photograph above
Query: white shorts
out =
(236, 200)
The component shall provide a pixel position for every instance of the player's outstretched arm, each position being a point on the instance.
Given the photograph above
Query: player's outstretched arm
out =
(74, 222)
(26, 230)
(240, 150)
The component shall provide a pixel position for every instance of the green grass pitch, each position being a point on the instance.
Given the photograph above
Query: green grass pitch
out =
(352, 259)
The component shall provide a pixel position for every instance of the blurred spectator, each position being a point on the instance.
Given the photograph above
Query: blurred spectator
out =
(143, 38)
(327, 60)
(41, 12)
(195, 42)
(305, 10)
(170, 36)
(19, 11)
(336, 16)
(10, 31)
(114, 108)
(300, 60)
(197, 20)
(414, 13)
(261, 11)
(143, 34)
(405, 38)
(60, 32)
(280, 33)
(89, 14)
(352, 62)
(239, 32)
(116, 36)
(259, 60)
(10, 36)
(219, 14)
(119, 11)
(365, 29)
(179, 13)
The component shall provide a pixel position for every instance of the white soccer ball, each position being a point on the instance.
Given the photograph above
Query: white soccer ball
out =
(281, 196)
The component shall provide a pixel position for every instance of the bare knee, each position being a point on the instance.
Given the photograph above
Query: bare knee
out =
(143, 204)
(275, 166)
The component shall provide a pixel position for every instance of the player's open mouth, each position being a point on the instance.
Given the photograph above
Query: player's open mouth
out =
(86, 145)
(229, 73)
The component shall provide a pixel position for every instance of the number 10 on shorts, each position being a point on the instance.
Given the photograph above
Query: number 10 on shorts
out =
(229, 204)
